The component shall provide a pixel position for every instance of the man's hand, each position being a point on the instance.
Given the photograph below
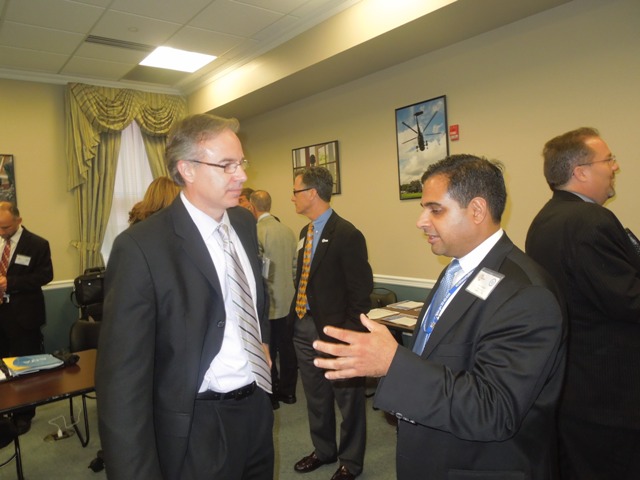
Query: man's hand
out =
(365, 355)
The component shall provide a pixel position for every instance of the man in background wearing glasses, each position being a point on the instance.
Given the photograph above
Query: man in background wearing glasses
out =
(588, 252)
(183, 371)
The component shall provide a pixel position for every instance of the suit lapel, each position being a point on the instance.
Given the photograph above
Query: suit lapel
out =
(464, 300)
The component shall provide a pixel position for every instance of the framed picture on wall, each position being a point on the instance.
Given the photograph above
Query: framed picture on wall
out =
(7, 179)
(421, 135)
(319, 155)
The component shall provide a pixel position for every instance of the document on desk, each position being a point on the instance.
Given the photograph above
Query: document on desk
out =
(406, 305)
(15, 366)
(377, 313)
(402, 320)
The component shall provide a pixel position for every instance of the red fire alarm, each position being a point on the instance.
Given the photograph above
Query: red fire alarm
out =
(454, 133)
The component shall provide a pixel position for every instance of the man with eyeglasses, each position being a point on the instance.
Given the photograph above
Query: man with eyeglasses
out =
(333, 286)
(183, 372)
(588, 252)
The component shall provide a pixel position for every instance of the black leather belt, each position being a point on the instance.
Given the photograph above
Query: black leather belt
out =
(238, 394)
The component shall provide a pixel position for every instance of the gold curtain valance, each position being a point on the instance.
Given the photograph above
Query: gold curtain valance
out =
(93, 110)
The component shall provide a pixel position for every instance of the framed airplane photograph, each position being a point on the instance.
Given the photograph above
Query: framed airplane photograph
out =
(421, 135)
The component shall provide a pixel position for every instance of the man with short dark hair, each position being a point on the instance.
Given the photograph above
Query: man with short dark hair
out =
(588, 252)
(476, 394)
(334, 281)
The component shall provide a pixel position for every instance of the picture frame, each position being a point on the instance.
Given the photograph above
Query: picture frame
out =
(7, 179)
(421, 138)
(319, 155)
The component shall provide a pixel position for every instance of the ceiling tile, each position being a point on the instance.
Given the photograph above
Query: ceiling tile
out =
(87, 67)
(54, 14)
(113, 54)
(36, 38)
(280, 6)
(203, 41)
(233, 18)
(31, 60)
(169, 10)
(134, 28)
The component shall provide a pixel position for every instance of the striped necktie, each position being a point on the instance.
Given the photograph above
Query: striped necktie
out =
(245, 312)
(6, 256)
(301, 299)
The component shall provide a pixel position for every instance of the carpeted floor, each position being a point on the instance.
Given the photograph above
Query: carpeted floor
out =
(46, 459)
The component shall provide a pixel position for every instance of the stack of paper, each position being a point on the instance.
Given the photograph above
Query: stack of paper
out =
(14, 366)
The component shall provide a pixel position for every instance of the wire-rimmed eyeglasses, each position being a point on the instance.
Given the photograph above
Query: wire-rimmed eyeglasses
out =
(610, 159)
(227, 167)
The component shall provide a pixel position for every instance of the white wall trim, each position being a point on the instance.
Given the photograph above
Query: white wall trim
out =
(404, 281)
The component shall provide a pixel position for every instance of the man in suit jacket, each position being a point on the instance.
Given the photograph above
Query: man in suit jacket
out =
(479, 400)
(336, 292)
(587, 250)
(22, 308)
(278, 250)
(176, 378)
(22, 311)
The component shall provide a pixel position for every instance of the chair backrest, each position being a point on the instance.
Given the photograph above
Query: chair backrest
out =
(84, 335)
(381, 297)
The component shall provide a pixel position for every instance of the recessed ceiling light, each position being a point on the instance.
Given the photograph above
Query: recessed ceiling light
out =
(174, 59)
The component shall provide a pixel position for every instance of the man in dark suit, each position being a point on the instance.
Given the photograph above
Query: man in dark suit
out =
(586, 249)
(25, 269)
(183, 370)
(479, 400)
(333, 290)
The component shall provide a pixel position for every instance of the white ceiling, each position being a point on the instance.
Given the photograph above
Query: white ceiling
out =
(255, 40)
(46, 39)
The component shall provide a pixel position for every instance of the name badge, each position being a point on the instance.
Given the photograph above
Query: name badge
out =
(23, 260)
(484, 283)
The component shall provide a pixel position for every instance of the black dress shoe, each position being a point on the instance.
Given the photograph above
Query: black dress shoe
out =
(288, 399)
(343, 473)
(310, 463)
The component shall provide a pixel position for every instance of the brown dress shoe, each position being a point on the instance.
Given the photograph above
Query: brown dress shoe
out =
(310, 463)
(343, 473)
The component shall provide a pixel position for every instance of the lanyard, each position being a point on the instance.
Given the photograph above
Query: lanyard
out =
(428, 326)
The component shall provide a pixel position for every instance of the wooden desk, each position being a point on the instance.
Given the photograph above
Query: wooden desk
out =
(398, 328)
(48, 386)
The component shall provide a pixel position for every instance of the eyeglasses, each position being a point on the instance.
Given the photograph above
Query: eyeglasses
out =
(227, 167)
(611, 160)
(302, 190)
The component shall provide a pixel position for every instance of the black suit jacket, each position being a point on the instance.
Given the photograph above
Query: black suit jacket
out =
(163, 323)
(340, 277)
(29, 270)
(586, 249)
(480, 402)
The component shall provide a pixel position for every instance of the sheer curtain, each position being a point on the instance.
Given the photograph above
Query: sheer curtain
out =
(133, 176)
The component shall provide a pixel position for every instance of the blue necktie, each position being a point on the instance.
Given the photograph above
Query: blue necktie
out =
(430, 320)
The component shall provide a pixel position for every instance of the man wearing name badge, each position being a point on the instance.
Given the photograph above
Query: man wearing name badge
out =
(25, 266)
(334, 283)
(476, 394)
(583, 245)
(183, 369)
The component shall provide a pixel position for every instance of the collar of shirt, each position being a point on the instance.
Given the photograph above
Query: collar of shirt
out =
(205, 224)
(583, 197)
(318, 226)
(472, 259)
(14, 239)
(264, 215)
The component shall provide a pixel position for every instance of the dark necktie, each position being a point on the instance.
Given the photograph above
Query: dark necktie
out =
(301, 299)
(245, 312)
(426, 327)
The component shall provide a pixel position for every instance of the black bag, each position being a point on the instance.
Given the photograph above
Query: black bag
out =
(88, 292)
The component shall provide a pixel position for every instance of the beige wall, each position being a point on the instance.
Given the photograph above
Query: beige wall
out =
(32, 129)
(510, 90)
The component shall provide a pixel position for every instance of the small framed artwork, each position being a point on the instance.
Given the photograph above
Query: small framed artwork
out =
(319, 155)
(7, 179)
(421, 135)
